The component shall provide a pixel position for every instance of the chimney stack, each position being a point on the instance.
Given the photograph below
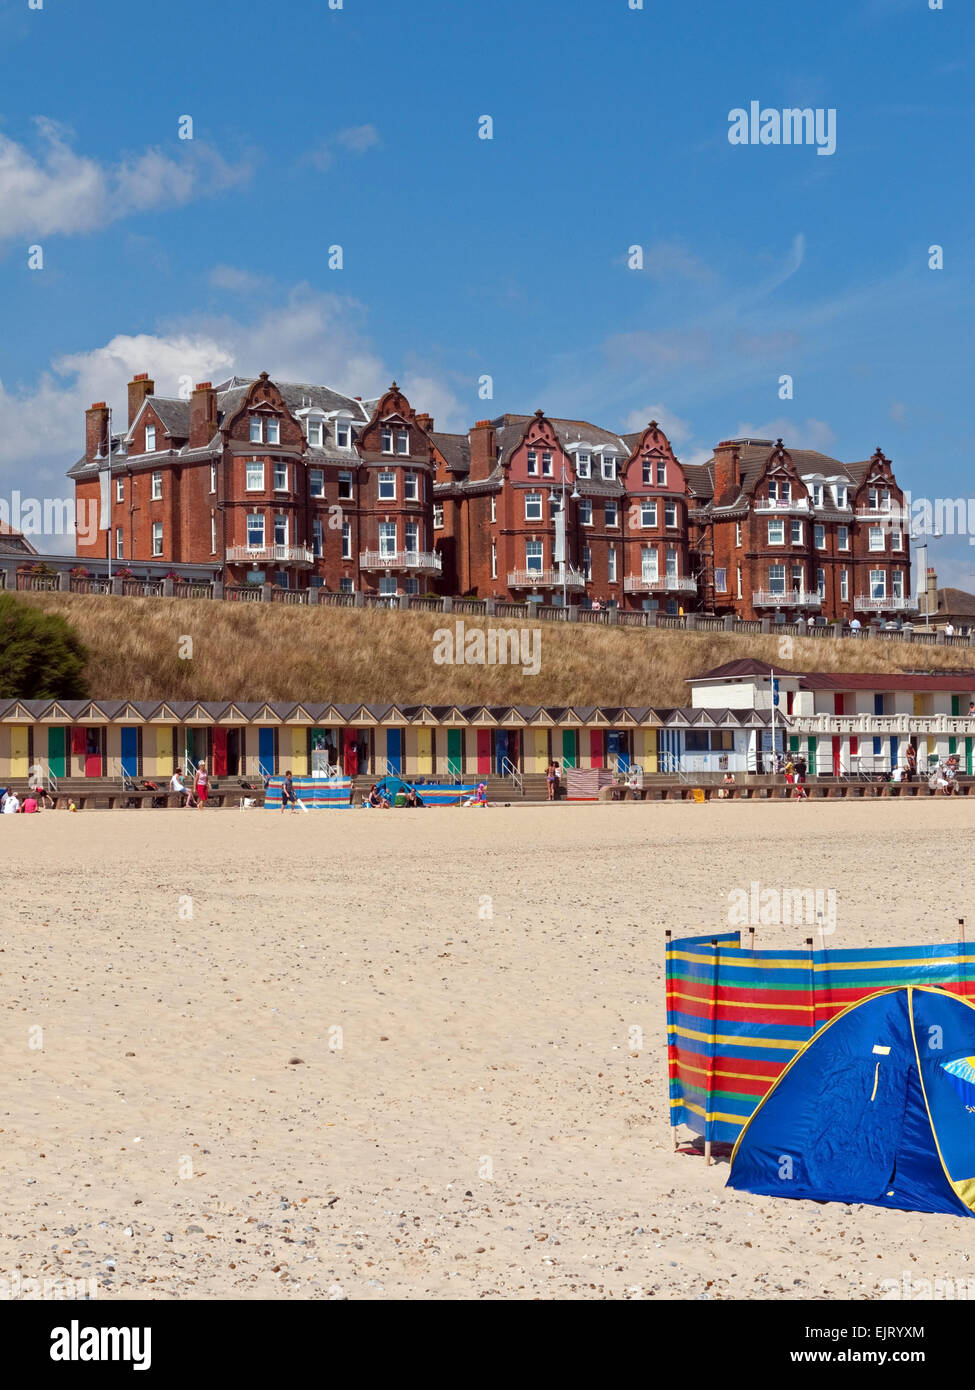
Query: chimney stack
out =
(484, 455)
(203, 415)
(139, 388)
(96, 430)
(727, 473)
(424, 421)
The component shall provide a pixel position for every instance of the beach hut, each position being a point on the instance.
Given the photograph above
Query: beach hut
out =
(877, 1108)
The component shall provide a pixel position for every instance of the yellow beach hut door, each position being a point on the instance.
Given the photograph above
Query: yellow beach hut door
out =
(19, 750)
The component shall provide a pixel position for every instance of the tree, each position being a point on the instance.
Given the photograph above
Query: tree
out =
(41, 655)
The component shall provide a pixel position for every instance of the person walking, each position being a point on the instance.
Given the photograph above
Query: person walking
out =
(289, 797)
(550, 779)
(201, 785)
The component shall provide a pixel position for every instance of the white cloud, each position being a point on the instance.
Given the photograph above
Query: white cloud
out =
(231, 277)
(56, 191)
(355, 139)
(678, 431)
(795, 434)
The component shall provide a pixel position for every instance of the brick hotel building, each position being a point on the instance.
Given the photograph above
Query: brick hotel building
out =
(302, 486)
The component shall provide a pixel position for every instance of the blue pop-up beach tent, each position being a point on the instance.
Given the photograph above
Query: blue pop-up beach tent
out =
(878, 1107)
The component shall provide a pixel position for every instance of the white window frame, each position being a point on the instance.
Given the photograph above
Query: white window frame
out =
(612, 510)
(403, 442)
(346, 485)
(819, 536)
(661, 472)
(608, 468)
(281, 524)
(841, 495)
(897, 584)
(876, 534)
(844, 586)
(157, 538)
(343, 434)
(119, 543)
(316, 482)
(253, 517)
(250, 467)
(584, 466)
(779, 539)
(737, 535)
(648, 508)
(670, 516)
(150, 439)
(773, 579)
(315, 431)
(317, 537)
(649, 564)
(585, 511)
(494, 509)
(120, 489)
(273, 430)
(611, 564)
(897, 539)
(494, 560)
(387, 439)
(155, 488)
(411, 487)
(387, 479)
(795, 531)
(878, 583)
(533, 499)
(213, 534)
(842, 538)
(532, 463)
(821, 583)
(438, 516)
(280, 468)
(213, 477)
(721, 580)
(411, 529)
(531, 547)
(256, 430)
(346, 540)
(387, 538)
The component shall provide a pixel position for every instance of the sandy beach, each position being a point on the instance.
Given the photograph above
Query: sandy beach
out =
(324, 1056)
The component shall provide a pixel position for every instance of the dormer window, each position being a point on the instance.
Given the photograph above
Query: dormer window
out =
(402, 441)
(816, 492)
(387, 439)
(584, 465)
(343, 434)
(257, 431)
(840, 493)
(609, 468)
(150, 439)
(274, 431)
(315, 432)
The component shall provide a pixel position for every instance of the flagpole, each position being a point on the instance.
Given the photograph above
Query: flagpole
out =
(771, 686)
(110, 494)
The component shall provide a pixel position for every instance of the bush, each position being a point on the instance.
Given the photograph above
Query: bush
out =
(41, 655)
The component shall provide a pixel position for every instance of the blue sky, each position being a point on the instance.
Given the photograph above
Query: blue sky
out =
(507, 257)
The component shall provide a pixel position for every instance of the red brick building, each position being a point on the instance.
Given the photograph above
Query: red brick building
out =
(798, 534)
(283, 483)
(299, 485)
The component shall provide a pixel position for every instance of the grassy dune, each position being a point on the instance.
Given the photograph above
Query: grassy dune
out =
(258, 652)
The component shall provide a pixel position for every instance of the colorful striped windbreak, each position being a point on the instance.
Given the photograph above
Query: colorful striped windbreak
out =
(736, 1018)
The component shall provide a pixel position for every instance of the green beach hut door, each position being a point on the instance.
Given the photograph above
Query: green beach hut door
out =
(455, 757)
(56, 751)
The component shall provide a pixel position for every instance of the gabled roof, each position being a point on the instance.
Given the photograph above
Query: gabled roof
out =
(737, 670)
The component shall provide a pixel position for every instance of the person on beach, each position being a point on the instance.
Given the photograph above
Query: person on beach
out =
(178, 788)
(413, 798)
(550, 779)
(201, 784)
(30, 806)
(11, 804)
(289, 797)
(376, 799)
(801, 770)
(854, 627)
(910, 757)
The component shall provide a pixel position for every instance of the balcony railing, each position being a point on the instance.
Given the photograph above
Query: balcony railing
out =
(884, 516)
(269, 554)
(863, 604)
(419, 561)
(795, 598)
(545, 579)
(780, 504)
(659, 584)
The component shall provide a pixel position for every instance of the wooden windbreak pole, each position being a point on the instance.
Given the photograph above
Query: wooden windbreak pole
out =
(964, 962)
(751, 938)
(812, 983)
(712, 1044)
(671, 1048)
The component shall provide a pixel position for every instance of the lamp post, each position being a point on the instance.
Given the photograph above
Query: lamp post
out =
(923, 570)
(565, 537)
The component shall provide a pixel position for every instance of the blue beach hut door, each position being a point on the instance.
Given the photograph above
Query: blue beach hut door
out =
(130, 752)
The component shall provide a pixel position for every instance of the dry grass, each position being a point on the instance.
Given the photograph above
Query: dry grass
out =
(258, 652)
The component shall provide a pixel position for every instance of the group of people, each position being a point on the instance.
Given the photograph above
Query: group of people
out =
(379, 801)
(553, 778)
(197, 793)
